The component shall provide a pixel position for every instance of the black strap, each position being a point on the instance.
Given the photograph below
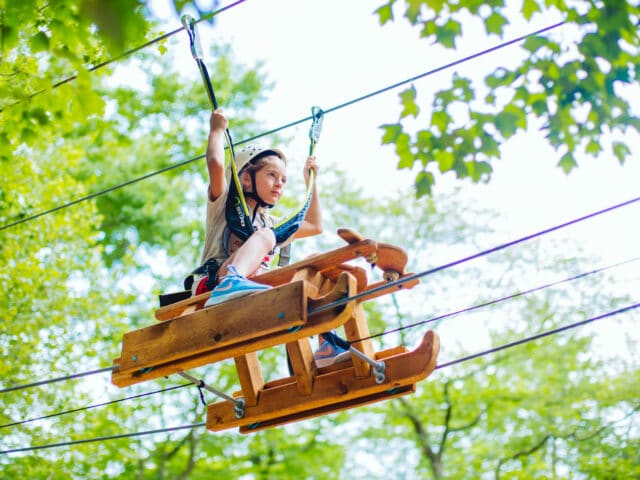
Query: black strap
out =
(210, 269)
(238, 221)
(174, 297)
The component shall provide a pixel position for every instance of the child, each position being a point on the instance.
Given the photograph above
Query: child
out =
(262, 174)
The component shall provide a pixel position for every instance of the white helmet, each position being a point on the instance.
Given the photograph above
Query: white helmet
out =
(251, 151)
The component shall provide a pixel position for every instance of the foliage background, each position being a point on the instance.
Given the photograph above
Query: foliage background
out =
(76, 280)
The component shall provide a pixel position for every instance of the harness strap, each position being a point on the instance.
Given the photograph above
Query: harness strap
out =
(291, 224)
(236, 209)
(209, 269)
(236, 203)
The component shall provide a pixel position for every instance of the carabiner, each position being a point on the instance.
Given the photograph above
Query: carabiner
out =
(189, 24)
(317, 115)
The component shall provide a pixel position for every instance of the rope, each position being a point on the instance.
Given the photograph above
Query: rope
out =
(283, 127)
(483, 253)
(89, 407)
(59, 379)
(399, 282)
(439, 367)
(498, 300)
(538, 336)
(103, 439)
(127, 53)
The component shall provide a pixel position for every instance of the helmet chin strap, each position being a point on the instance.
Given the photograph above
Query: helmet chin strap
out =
(254, 193)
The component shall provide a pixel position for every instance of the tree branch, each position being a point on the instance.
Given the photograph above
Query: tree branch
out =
(522, 453)
(423, 438)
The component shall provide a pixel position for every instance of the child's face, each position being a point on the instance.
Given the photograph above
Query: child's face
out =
(271, 179)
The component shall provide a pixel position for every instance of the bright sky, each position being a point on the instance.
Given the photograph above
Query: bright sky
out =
(329, 52)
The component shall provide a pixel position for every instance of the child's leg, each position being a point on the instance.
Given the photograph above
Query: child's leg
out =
(244, 262)
(249, 256)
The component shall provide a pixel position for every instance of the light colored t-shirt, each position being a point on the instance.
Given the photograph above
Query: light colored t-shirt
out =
(219, 242)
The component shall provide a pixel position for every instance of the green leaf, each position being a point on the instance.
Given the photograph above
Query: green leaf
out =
(446, 35)
(413, 10)
(9, 36)
(592, 46)
(478, 170)
(529, 7)
(424, 182)
(391, 133)
(445, 160)
(460, 167)
(39, 42)
(593, 147)
(508, 121)
(621, 150)
(490, 146)
(403, 150)
(423, 140)
(533, 44)
(539, 105)
(567, 162)
(408, 100)
(440, 119)
(495, 23)
(385, 13)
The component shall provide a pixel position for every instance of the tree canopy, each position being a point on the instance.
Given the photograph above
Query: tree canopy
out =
(574, 88)
(75, 280)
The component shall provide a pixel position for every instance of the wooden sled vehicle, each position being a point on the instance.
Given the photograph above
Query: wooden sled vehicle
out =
(310, 297)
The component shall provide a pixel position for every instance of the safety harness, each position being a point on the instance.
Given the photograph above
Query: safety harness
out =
(237, 213)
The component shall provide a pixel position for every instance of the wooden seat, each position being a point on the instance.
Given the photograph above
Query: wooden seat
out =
(281, 402)
(310, 297)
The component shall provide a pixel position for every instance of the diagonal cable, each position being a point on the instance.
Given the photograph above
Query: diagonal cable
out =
(538, 336)
(439, 367)
(59, 379)
(408, 278)
(126, 54)
(343, 301)
(89, 407)
(499, 300)
(286, 126)
(103, 439)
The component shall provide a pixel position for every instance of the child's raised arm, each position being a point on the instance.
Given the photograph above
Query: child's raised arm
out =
(218, 123)
(312, 224)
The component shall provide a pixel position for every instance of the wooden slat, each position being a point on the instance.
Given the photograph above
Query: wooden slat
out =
(356, 328)
(330, 408)
(280, 276)
(282, 403)
(250, 377)
(319, 262)
(301, 358)
(391, 257)
(225, 324)
(358, 272)
(396, 287)
(314, 325)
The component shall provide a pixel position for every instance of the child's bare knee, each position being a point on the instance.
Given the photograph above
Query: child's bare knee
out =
(267, 235)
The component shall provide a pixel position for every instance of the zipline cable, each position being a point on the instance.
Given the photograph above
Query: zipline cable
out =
(408, 278)
(399, 283)
(283, 127)
(538, 336)
(123, 55)
(439, 367)
(104, 439)
(59, 379)
(89, 407)
(498, 300)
